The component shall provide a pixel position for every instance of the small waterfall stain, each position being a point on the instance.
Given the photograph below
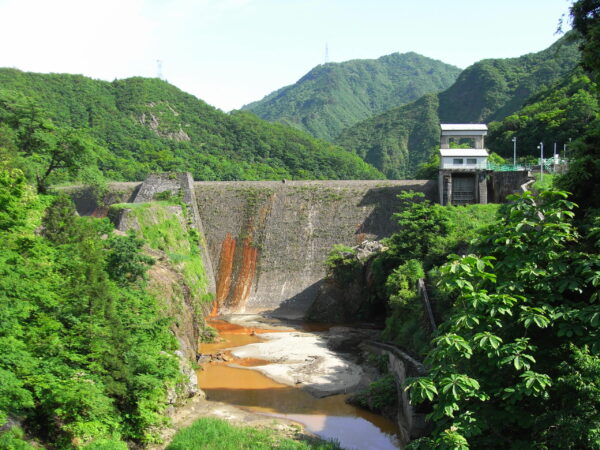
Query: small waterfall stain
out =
(224, 275)
(245, 276)
(238, 261)
(100, 212)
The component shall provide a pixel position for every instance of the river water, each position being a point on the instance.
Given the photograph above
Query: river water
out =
(330, 417)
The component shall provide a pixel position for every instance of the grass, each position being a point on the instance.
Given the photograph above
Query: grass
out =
(163, 230)
(546, 183)
(466, 220)
(209, 433)
(464, 225)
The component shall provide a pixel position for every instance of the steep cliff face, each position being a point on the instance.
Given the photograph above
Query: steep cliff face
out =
(178, 278)
(268, 240)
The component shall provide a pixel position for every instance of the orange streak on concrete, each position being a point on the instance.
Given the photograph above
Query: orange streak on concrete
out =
(100, 212)
(224, 273)
(246, 274)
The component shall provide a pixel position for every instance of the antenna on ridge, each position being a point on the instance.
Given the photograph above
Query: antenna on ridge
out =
(159, 74)
(326, 53)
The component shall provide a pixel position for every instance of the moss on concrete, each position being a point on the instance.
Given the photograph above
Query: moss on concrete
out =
(163, 225)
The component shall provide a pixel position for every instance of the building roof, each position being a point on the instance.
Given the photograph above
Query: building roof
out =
(463, 126)
(463, 152)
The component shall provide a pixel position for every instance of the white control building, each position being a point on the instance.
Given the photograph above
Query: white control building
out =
(463, 169)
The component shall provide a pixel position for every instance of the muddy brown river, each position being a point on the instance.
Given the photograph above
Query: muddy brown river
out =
(329, 417)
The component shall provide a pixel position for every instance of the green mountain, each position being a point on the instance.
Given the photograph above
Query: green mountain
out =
(488, 90)
(334, 96)
(143, 125)
(554, 115)
(387, 141)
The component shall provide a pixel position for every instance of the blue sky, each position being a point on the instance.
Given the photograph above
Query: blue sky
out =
(232, 52)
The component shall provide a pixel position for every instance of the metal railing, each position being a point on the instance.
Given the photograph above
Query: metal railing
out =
(507, 167)
(548, 163)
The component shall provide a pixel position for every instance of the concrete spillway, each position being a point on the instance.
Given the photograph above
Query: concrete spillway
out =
(268, 241)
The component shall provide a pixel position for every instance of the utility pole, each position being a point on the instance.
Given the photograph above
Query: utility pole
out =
(326, 53)
(159, 74)
(514, 139)
(541, 147)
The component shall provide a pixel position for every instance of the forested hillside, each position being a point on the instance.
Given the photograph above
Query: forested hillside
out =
(398, 140)
(136, 126)
(556, 114)
(334, 96)
(87, 352)
(488, 90)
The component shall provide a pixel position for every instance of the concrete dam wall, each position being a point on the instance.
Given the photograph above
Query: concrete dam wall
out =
(267, 241)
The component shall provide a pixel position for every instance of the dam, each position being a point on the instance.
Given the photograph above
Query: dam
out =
(265, 242)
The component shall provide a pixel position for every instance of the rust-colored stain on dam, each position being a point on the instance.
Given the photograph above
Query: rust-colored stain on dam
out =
(225, 272)
(245, 276)
(241, 277)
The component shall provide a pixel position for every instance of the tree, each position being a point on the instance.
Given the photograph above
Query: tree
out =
(584, 171)
(46, 148)
(125, 262)
(67, 149)
(422, 228)
(526, 302)
(585, 18)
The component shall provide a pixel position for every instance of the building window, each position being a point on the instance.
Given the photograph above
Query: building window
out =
(457, 161)
(471, 160)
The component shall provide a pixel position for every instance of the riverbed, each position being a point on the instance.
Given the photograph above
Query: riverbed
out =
(289, 373)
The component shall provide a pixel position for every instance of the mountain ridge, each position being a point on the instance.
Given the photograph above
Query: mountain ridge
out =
(148, 125)
(333, 96)
(488, 90)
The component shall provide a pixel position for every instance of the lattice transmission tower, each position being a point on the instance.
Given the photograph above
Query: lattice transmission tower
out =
(159, 74)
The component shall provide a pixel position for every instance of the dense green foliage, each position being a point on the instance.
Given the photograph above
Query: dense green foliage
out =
(427, 233)
(32, 142)
(130, 128)
(380, 396)
(525, 317)
(494, 88)
(342, 263)
(583, 177)
(585, 18)
(208, 433)
(556, 114)
(334, 96)
(397, 141)
(86, 352)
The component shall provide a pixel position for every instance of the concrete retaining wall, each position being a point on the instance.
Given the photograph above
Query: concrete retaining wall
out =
(412, 425)
(502, 184)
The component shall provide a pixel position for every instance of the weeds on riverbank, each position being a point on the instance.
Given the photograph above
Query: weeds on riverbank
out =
(209, 433)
